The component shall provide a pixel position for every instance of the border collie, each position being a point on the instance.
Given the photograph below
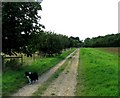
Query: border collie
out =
(32, 77)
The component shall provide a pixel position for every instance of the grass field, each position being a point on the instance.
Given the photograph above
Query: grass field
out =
(97, 73)
(112, 50)
(12, 80)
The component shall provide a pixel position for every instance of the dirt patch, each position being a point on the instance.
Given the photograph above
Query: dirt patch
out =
(65, 84)
(111, 50)
(28, 90)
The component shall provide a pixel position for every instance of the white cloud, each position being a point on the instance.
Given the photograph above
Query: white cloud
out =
(82, 18)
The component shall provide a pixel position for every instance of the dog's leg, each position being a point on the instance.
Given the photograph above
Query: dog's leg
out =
(33, 81)
(29, 79)
(36, 80)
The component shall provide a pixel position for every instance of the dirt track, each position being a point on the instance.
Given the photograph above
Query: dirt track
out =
(28, 90)
(65, 84)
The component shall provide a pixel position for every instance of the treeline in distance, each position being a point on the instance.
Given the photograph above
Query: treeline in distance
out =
(111, 40)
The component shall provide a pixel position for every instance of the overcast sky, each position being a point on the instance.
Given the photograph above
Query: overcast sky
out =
(82, 18)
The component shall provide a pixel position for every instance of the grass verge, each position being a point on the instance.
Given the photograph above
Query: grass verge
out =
(45, 85)
(97, 73)
(12, 80)
(0, 85)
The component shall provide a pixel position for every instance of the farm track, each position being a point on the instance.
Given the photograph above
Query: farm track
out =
(28, 90)
(65, 84)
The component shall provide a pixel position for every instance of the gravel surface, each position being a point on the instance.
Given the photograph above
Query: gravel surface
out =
(65, 84)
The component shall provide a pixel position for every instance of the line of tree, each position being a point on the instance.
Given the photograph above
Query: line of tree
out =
(23, 33)
(49, 43)
(111, 40)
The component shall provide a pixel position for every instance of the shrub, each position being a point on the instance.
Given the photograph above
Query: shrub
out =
(13, 64)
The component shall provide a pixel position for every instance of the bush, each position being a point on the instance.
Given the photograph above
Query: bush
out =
(13, 64)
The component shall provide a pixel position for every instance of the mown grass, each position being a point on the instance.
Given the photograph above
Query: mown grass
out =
(97, 73)
(12, 80)
(45, 85)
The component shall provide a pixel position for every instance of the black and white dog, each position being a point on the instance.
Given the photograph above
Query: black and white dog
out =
(32, 77)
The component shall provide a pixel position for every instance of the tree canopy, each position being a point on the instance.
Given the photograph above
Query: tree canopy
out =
(23, 33)
(20, 20)
(111, 40)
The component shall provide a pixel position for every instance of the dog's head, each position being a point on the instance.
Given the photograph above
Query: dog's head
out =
(28, 73)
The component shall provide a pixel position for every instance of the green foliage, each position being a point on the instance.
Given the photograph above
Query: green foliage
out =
(19, 24)
(12, 80)
(50, 43)
(13, 64)
(75, 42)
(22, 32)
(97, 73)
(112, 40)
(0, 84)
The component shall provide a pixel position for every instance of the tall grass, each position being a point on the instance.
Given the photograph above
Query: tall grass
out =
(0, 84)
(97, 73)
(12, 80)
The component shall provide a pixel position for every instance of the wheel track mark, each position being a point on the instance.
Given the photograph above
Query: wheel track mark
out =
(65, 84)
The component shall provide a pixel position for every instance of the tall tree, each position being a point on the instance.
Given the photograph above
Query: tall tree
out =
(20, 21)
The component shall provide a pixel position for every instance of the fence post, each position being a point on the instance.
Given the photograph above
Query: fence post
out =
(21, 58)
(33, 56)
(3, 62)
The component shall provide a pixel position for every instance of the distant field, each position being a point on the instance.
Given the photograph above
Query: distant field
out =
(111, 50)
(97, 72)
